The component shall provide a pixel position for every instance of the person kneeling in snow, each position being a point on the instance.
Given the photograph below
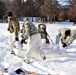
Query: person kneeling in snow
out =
(33, 38)
(66, 35)
(14, 28)
(43, 33)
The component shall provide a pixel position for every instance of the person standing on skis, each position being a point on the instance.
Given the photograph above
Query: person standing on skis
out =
(33, 39)
(13, 28)
(43, 33)
(66, 35)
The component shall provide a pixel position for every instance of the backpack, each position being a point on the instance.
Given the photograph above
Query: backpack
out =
(42, 26)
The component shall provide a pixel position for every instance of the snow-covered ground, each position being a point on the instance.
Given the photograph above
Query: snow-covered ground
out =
(53, 66)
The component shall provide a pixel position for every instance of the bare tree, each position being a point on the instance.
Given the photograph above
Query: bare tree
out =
(37, 5)
(2, 9)
(72, 4)
(15, 6)
(50, 9)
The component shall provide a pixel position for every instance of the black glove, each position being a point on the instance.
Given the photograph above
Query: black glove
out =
(16, 39)
(8, 29)
(64, 45)
(22, 36)
(23, 41)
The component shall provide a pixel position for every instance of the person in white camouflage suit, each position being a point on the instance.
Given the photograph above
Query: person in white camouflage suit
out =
(43, 33)
(66, 35)
(30, 33)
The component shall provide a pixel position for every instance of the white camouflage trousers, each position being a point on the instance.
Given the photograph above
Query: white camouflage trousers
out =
(33, 44)
(11, 39)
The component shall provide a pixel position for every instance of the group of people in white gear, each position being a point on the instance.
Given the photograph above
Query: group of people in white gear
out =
(34, 37)
(30, 36)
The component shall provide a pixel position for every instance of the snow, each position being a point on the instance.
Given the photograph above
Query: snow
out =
(53, 66)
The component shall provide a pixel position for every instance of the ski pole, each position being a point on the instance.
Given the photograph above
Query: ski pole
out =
(50, 39)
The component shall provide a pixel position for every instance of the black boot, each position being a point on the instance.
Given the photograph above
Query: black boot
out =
(5, 70)
(44, 58)
(26, 61)
(12, 52)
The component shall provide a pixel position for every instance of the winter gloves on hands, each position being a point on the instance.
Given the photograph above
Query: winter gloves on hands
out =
(23, 41)
(8, 29)
(64, 45)
(16, 39)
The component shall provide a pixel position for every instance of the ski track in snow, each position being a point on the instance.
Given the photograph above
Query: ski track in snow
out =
(53, 66)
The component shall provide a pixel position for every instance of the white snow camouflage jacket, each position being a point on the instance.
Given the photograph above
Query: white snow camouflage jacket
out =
(71, 38)
(29, 29)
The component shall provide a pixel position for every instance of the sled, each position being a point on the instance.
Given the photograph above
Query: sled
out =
(51, 51)
(21, 53)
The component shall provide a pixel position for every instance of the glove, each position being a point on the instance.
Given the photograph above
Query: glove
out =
(23, 41)
(22, 36)
(16, 39)
(64, 45)
(8, 29)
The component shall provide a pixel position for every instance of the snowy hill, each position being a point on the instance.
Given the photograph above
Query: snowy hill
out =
(53, 66)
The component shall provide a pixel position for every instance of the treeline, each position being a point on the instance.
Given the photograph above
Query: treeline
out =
(49, 10)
